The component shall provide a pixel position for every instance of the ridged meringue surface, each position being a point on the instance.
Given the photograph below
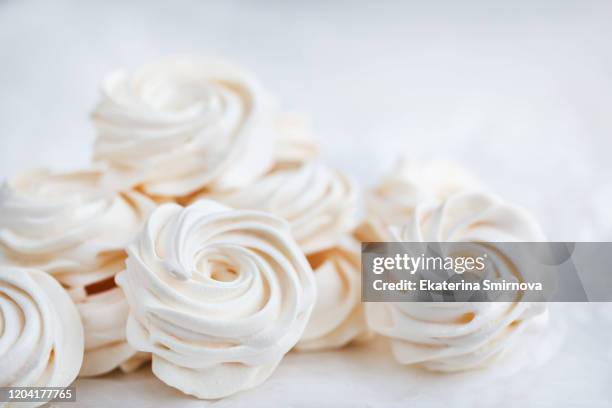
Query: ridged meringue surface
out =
(320, 203)
(464, 335)
(295, 143)
(338, 317)
(184, 123)
(407, 185)
(41, 336)
(104, 312)
(217, 295)
(67, 225)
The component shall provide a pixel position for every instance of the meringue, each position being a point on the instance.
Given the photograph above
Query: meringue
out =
(104, 311)
(407, 185)
(66, 225)
(461, 336)
(295, 142)
(41, 337)
(218, 296)
(319, 203)
(183, 124)
(338, 317)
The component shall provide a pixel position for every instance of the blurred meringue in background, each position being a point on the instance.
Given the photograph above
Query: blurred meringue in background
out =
(406, 185)
(67, 225)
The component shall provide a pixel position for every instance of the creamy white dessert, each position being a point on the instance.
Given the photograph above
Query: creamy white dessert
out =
(407, 185)
(319, 203)
(182, 124)
(65, 224)
(338, 317)
(217, 295)
(295, 142)
(461, 336)
(41, 336)
(104, 311)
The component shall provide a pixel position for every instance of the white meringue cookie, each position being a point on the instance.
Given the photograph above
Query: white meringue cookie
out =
(319, 203)
(295, 142)
(218, 296)
(182, 124)
(338, 317)
(407, 185)
(66, 225)
(104, 312)
(41, 336)
(461, 336)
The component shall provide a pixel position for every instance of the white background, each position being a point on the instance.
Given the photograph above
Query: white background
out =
(518, 92)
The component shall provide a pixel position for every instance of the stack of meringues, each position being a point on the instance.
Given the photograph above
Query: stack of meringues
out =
(209, 237)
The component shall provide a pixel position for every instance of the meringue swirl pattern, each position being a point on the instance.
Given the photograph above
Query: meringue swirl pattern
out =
(67, 225)
(408, 185)
(319, 203)
(338, 317)
(460, 336)
(41, 336)
(217, 295)
(295, 143)
(182, 124)
(104, 312)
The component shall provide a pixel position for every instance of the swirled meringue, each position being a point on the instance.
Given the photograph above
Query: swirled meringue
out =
(218, 296)
(66, 225)
(338, 317)
(104, 312)
(460, 336)
(319, 203)
(41, 336)
(407, 185)
(295, 141)
(182, 124)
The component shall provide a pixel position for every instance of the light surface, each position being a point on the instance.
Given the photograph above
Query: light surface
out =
(518, 92)
(367, 376)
